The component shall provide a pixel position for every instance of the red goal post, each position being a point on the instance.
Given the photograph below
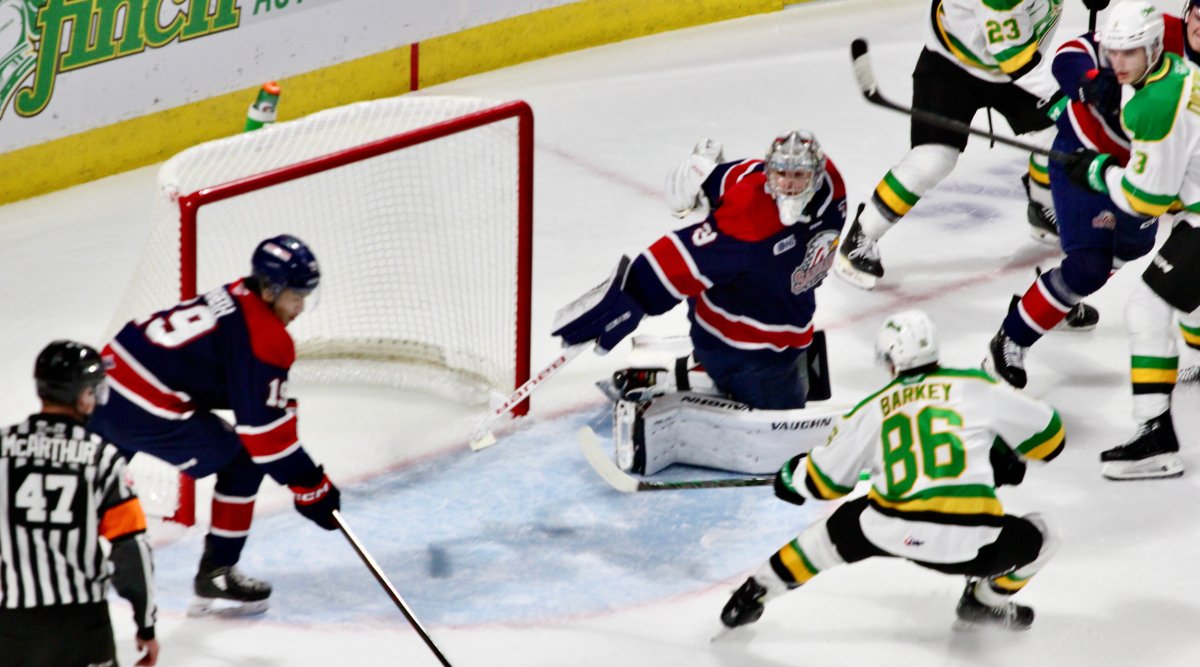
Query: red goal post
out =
(424, 236)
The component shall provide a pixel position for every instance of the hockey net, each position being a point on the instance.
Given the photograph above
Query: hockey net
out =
(419, 210)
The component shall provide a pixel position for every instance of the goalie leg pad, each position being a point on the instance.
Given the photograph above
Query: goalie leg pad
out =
(724, 434)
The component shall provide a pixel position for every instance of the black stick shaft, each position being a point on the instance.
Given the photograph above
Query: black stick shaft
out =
(870, 90)
(706, 484)
(387, 586)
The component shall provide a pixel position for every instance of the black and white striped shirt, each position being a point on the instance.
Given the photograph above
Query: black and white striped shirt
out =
(62, 489)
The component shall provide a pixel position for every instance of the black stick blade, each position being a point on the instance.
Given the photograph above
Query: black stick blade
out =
(858, 48)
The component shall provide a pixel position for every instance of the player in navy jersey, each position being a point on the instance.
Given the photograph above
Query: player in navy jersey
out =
(1096, 235)
(747, 273)
(227, 349)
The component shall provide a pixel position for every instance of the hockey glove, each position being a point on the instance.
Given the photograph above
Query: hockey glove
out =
(1095, 5)
(1099, 88)
(316, 498)
(1086, 168)
(1007, 468)
(785, 481)
(605, 314)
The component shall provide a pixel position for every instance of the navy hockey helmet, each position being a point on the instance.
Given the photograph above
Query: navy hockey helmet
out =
(285, 262)
(64, 369)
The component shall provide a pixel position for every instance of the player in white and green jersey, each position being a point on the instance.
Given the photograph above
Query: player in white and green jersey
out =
(936, 443)
(979, 54)
(1161, 115)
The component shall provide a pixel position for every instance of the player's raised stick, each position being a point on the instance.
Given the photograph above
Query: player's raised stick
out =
(861, 57)
(387, 586)
(482, 435)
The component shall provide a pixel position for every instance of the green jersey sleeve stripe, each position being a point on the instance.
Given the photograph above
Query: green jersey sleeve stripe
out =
(822, 485)
(1161, 363)
(1045, 445)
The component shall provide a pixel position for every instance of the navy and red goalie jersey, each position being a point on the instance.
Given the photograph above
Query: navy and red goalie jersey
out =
(223, 350)
(748, 278)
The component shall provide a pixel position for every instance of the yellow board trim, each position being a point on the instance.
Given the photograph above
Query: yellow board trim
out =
(137, 142)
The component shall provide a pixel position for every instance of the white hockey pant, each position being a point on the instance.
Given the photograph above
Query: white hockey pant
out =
(918, 171)
(714, 432)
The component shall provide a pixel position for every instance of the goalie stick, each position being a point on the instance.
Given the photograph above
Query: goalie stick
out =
(624, 483)
(387, 585)
(482, 435)
(861, 58)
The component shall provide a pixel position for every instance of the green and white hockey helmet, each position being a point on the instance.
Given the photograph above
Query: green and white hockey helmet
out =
(1134, 24)
(907, 340)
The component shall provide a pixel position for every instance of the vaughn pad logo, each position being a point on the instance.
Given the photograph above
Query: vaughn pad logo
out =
(40, 39)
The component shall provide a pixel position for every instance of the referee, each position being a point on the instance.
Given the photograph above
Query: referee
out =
(62, 495)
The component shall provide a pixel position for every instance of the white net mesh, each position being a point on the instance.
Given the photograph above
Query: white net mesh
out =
(417, 247)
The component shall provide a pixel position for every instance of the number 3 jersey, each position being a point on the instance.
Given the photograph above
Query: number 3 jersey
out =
(926, 441)
(225, 350)
(748, 279)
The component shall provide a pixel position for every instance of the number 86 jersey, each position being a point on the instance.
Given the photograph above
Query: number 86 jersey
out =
(926, 440)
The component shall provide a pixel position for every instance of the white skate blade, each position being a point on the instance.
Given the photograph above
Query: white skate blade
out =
(844, 270)
(1161, 466)
(225, 608)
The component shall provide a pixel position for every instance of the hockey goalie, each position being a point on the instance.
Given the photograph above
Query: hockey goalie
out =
(737, 400)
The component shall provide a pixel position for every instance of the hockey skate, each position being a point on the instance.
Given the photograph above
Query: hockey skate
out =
(1152, 453)
(627, 436)
(222, 590)
(1081, 317)
(973, 613)
(1005, 360)
(1043, 225)
(858, 260)
(636, 384)
(746, 605)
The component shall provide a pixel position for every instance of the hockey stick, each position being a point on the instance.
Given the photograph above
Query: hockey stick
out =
(482, 435)
(624, 483)
(870, 89)
(387, 586)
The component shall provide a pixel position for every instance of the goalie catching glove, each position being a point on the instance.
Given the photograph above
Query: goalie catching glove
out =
(605, 314)
(684, 194)
(316, 498)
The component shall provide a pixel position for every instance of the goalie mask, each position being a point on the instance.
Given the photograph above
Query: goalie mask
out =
(907, 340)
(795, 166)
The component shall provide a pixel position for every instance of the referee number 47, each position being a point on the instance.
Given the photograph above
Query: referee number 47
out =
(32, 497)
